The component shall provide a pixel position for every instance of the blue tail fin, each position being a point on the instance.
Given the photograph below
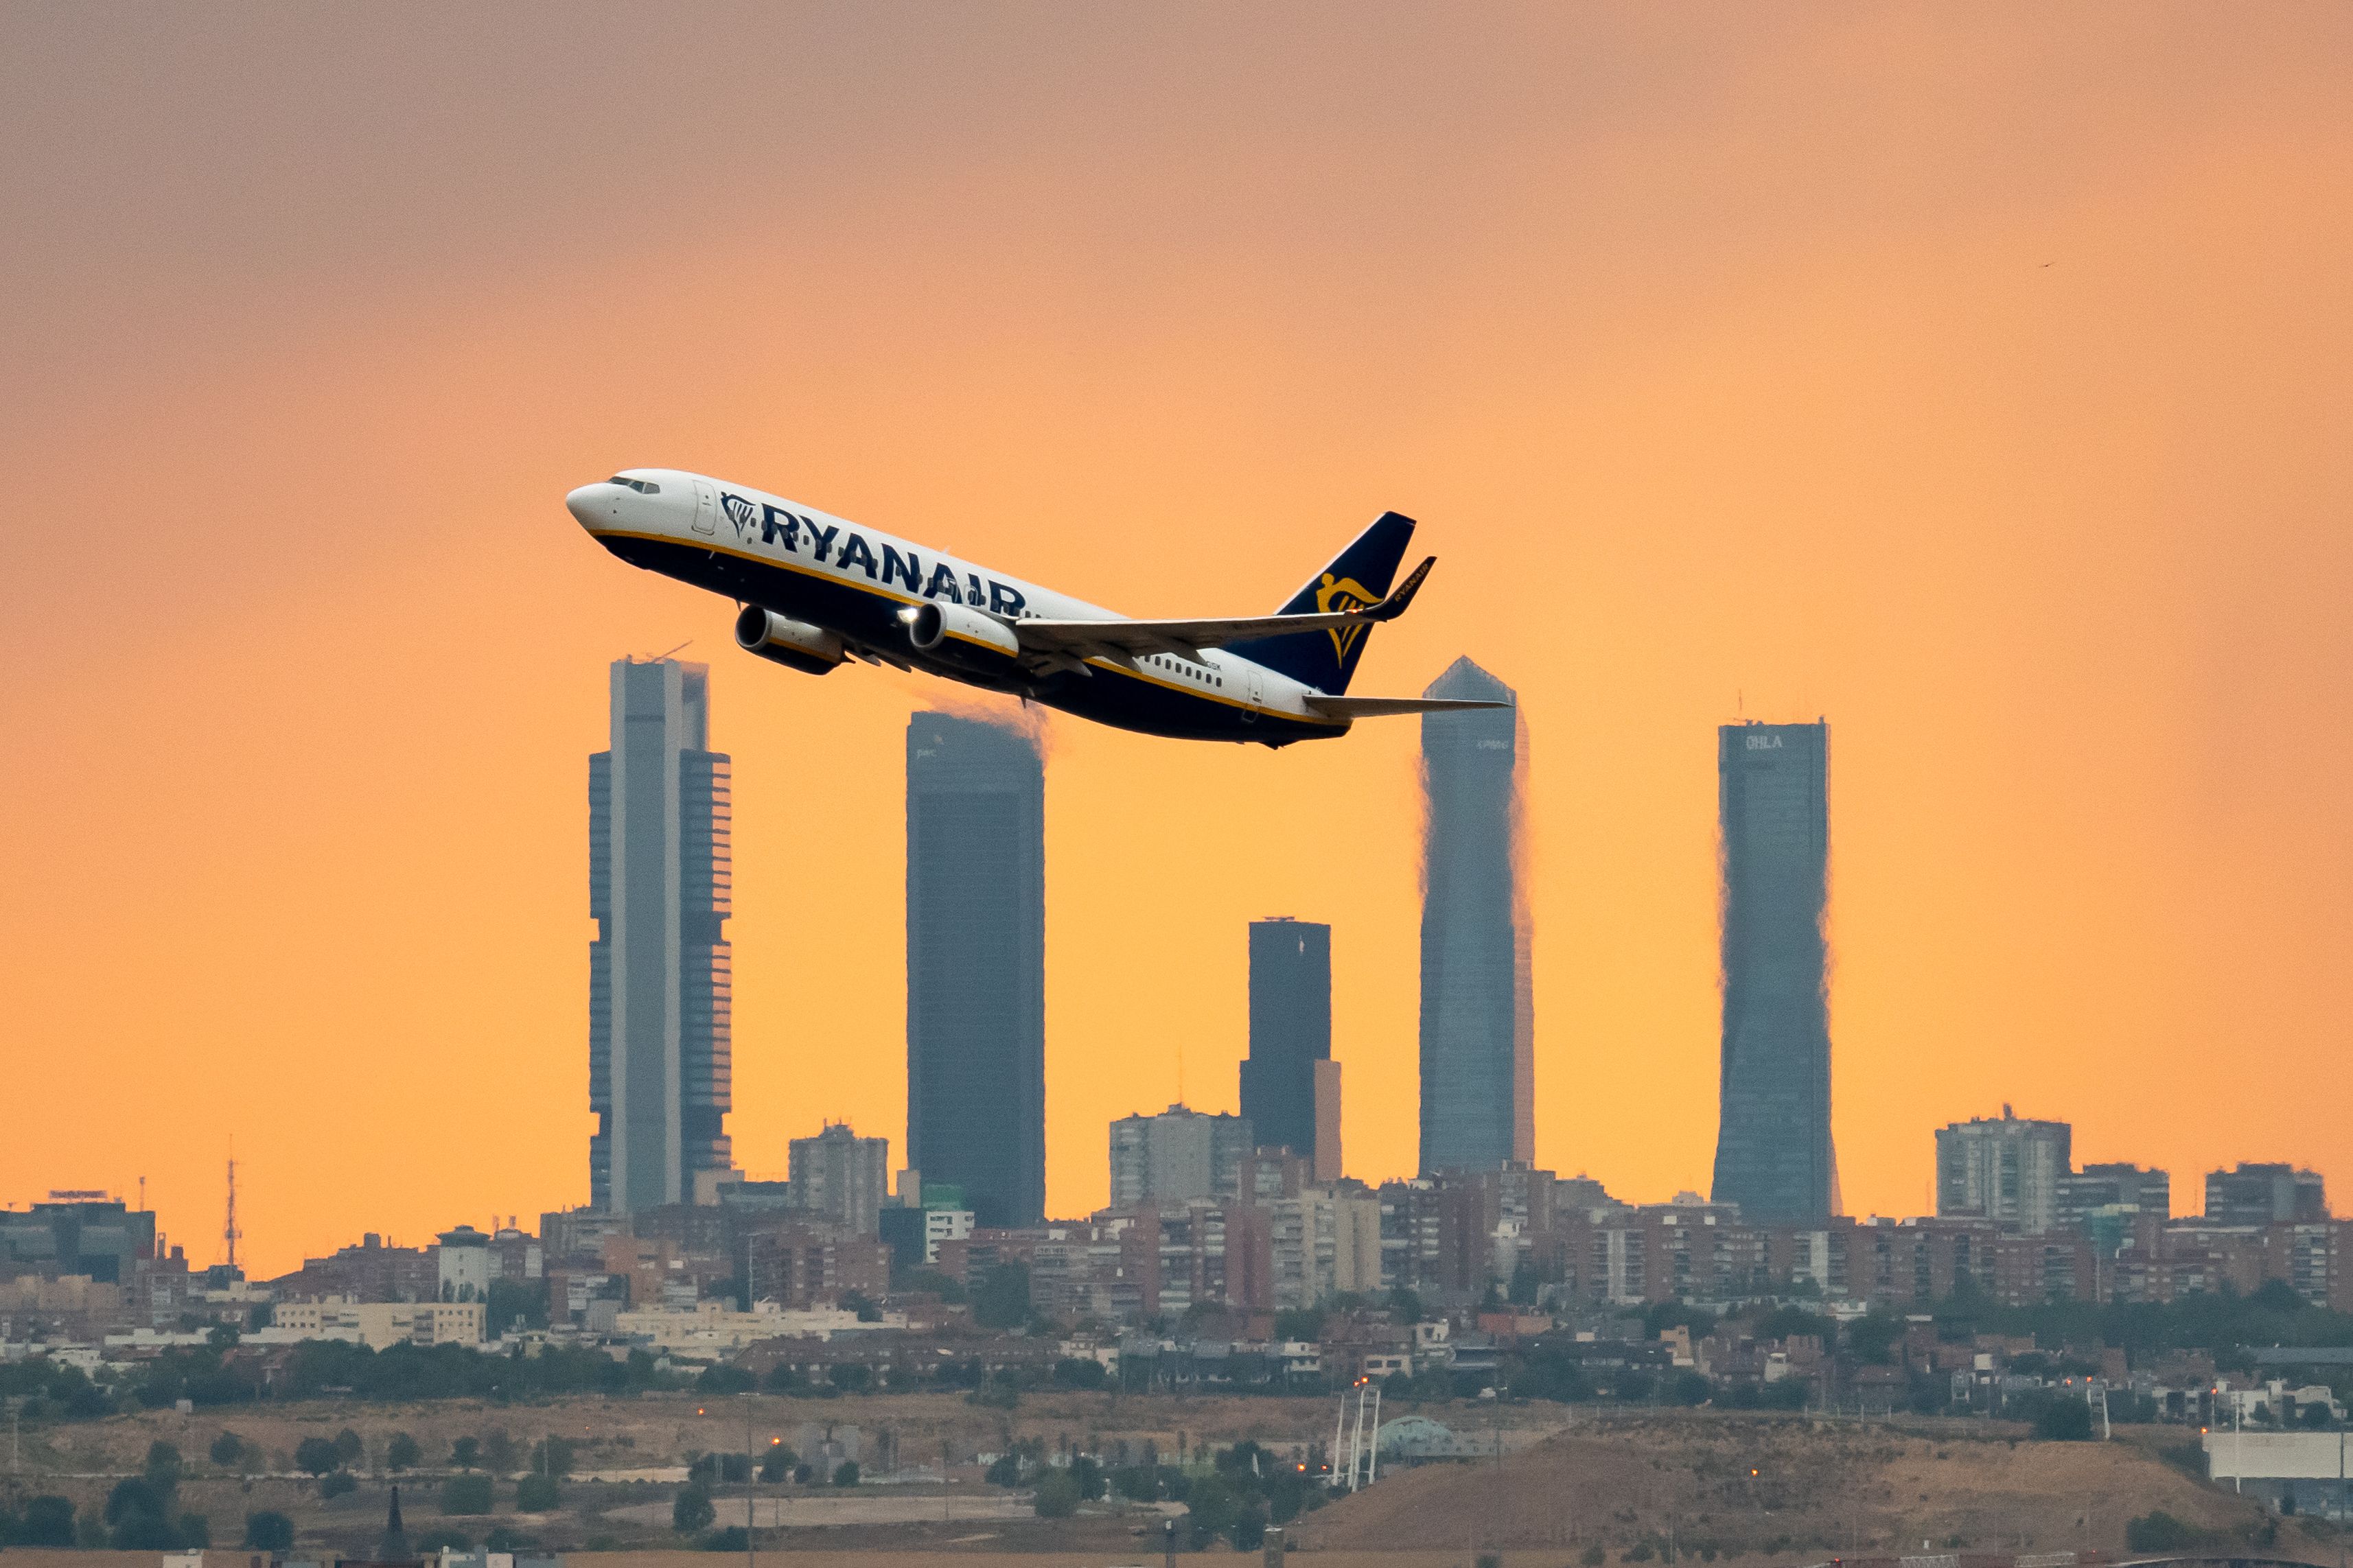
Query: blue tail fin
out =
(1358, 576)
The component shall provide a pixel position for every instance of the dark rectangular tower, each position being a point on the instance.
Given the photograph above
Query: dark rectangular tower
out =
(660, 884)
(977, 964)
(1290, 1031)
(1478, 1018)
(1773, 1154)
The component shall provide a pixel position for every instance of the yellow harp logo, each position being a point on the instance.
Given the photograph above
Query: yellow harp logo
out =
(1335, 595)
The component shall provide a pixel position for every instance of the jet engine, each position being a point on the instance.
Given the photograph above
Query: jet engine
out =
(795, 645)
(929, 624)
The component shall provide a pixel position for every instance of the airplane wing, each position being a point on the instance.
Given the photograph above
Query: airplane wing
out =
(1118, 640)
(1382, 706)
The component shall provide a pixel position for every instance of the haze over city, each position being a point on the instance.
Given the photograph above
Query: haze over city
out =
(1978, 387)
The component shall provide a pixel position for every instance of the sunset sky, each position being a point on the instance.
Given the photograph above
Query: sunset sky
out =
(1978, 378)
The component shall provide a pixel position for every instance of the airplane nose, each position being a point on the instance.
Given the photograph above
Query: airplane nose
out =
(590, 505)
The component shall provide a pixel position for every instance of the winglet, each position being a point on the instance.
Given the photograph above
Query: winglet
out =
(1393, 606)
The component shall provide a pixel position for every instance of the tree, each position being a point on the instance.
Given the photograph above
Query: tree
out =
(2065, 1420)
(1004, 1470)
(227, 1449)
(163, 1467)
(2158, 1531)
(777, 1464)
(1299, 1323)
(1080, 1371)
(1088, 1477)
(316, 1455)
(1001, 1301)
(465, 1453)
(1215, 1509)
(553, 1455)
(349, 1449)
(137, 1517)
(1057, 1496)
(48, 1520)
(401, 1453)
(499, 1452)
(538, 1494)
(690, 1511)
(269, 1531)
(467, 1494)
(846, 1473)
(734, 1538)
(337, 1483)
(726, 1379)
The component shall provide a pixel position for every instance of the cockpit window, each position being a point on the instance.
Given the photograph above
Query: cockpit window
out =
(643, 487)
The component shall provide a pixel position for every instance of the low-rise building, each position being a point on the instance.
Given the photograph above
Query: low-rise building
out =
(375, 1324)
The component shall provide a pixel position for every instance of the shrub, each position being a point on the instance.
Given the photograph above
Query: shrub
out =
(735, 1538)
(268, 1530)
(466, 1452)
(2158, 1531)
(1640, 1554)
(195, 1532)
(348, 1447)
(227, 1449)
(726, 1379)
(315, 1455)
(1593, 1556)
(846, 1474)
(1057, 1496)
(445, 1538)
(690, 1511)
(538, 1494)
(403, 1453)
(467, 1494)
(336, 1483)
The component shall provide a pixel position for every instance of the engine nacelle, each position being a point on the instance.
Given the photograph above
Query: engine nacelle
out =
(795, 645)
(931, 625)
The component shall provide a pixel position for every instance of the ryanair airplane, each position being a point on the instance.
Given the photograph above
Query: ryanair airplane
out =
(816, 591)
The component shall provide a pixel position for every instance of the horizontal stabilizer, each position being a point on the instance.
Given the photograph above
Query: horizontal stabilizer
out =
(1110, 638)
(1383, 707)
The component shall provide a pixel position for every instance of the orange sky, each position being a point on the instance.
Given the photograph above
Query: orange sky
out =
(1977, 379)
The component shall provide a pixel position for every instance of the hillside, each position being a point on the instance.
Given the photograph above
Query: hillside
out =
(1745, 1484)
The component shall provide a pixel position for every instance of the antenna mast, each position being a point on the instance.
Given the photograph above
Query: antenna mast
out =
(229, 1233)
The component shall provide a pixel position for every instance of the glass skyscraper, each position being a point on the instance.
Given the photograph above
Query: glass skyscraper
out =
(1291, 1085)
(977, 964)
(1478, 1016)
(660, 882)
(1773, 1154)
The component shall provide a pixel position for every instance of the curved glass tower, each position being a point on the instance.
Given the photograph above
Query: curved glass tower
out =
(1773, 1154)
(1478, 1018)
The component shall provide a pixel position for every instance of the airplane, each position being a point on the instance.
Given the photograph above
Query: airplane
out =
(816, 591)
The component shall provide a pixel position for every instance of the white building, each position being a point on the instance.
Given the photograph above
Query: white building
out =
(375, 1324)
(465, 1259)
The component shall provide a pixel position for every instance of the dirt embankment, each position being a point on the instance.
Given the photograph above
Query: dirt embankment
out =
(1748, 1485)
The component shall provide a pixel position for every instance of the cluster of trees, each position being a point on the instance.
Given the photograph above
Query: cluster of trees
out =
(1246, 1489)
(406, 1372)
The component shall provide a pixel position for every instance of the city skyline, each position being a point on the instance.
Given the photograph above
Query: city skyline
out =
(1739, 388)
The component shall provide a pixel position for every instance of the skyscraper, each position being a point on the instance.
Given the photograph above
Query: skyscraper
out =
(660, 882)
(977, 964)
(1291, 1085)
(1478, 1016)
(1773, 1154)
